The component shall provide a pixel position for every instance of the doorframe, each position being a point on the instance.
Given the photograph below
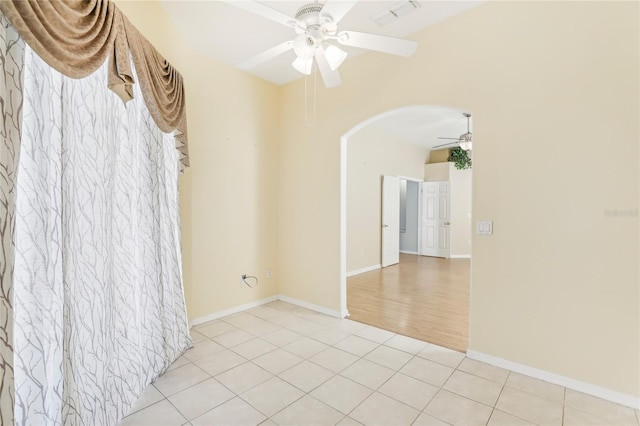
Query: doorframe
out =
(419, 181)
(344, 139)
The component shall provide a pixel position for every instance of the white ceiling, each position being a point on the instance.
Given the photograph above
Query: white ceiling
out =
(230, 35)
(422, 125)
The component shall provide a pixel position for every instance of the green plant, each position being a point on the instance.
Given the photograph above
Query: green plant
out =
(460, 158)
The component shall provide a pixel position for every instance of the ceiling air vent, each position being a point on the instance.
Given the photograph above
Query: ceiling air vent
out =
(400, 9)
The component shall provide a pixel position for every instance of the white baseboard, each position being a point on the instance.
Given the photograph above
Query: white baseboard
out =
(255, 304)
(310, 306)
(363, 270)
(409, 252)
(460, 256)
(590, 389)
(231, 311)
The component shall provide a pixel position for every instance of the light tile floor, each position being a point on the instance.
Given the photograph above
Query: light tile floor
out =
(279, 364)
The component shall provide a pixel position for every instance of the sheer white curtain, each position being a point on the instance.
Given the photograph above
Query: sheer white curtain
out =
(98, 298)
(11, 58)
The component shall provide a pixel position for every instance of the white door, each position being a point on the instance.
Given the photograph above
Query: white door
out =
(390, 220)
(435, 219)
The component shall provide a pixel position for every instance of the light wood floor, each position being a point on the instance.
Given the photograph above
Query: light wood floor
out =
(426, 298)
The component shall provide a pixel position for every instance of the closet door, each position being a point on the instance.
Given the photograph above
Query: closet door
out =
(436, 216)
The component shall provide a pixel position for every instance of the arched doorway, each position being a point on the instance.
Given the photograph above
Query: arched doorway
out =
(418, 125)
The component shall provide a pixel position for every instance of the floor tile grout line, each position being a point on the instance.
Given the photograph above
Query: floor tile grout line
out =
(303, 395)
(283, 408)
(536, 395)
(188, 387)
(131, 413)
(316, 387)
(467, 397)
(505, 386)
(440, 389)
(149, 406)
(346, 378)
(336, 373)
(382, 365)
(493, 409)
(606, 401)
(427, 404)
(350, 332)
(329, 327)
(195, 384)
(251, 359)
(181, 413)
(396, 371)
(357, 405)
(235, 395)
(564, 400)
(477, 375)
(420, 411)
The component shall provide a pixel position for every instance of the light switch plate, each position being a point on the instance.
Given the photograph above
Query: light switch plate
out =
(484, 227)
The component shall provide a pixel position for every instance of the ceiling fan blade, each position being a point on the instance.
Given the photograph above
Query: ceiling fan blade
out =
(330, 77)
(453, 139)
(337, 9)
(266, 55)
(264, 11)
(392, 45)
(444, 145)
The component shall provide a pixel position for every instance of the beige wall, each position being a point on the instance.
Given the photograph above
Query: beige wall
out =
(556, 286)
(435, 172)
(438, 156)
(229, 195)
(371, 154)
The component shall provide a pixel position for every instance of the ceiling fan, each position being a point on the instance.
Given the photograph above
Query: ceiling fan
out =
(464, 141)
(316, 26)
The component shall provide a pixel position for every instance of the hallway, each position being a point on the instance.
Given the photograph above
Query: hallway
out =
(422, 297)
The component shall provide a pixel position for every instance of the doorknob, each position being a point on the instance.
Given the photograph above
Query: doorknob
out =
(385, 226)
(447, 223)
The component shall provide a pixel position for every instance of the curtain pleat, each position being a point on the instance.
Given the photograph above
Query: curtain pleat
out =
(161, 86)
(11, 76)
(99, 305)
(74, 37)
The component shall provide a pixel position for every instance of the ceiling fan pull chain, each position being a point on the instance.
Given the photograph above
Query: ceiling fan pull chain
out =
(306, 103)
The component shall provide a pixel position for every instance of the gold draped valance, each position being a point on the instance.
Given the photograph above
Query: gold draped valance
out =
(76, 37)
(162, 88)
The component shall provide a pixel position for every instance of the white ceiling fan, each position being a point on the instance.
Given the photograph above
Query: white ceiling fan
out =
(464, 141)
(317, 27)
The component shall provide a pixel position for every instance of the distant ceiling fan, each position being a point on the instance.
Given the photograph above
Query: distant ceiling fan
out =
(464, 141)
(317, 26)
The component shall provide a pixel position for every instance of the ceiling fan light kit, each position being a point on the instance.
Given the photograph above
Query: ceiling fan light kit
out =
(317, 26)
(464, 141)
(335, 56)
(304, 46)
(465, 145)
(303, 66)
